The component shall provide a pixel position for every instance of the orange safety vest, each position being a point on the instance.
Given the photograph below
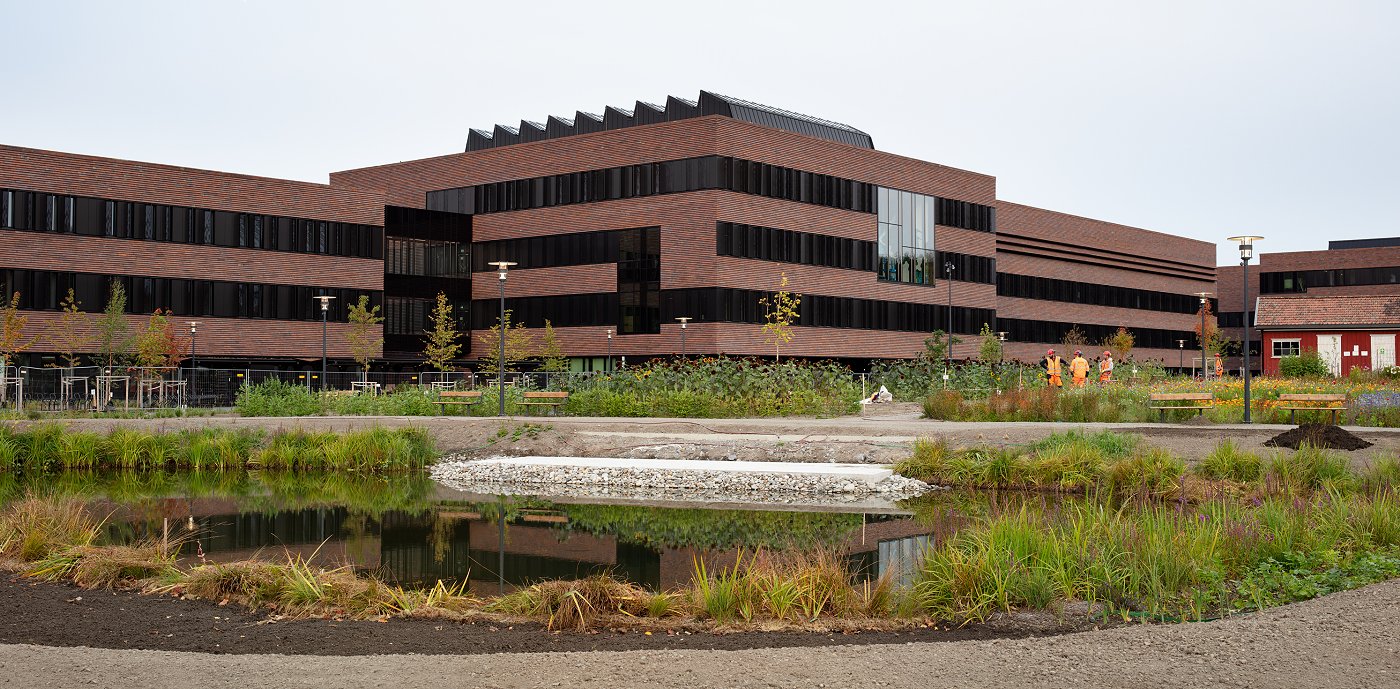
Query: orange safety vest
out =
(1079, 367)
(1052, 366)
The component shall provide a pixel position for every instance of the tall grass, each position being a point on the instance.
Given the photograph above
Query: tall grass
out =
(49, 447)
(1229, 462)
(1159, 560)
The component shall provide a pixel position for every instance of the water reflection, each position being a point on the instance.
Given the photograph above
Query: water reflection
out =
(409, 531)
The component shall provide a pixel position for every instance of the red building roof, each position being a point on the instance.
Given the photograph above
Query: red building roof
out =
(1348, 311)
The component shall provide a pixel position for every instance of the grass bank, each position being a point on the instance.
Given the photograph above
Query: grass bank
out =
(50, 447)
(1106, 463)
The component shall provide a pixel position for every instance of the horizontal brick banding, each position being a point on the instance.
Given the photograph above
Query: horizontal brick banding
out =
(1044, 232)
(125, 180)
(73, 253)
(408, 182)
(534, 282)
(1040, 310)
(237, 338)
(1333, 259)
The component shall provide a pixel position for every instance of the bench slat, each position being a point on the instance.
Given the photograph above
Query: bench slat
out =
(460, 393)
(546, 395)
(1173, 396)
(1326, 397)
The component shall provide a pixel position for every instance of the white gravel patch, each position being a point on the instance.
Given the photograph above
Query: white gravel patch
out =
(694, 484)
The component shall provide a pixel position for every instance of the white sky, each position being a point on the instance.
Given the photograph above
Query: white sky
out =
(1204, 119)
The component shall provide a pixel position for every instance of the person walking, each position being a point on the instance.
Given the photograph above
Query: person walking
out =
(1079, 368)
(1106, 368)
(1053, 369)
(1219, 366)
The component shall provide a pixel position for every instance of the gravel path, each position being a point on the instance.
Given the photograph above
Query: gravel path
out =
(1348, 639)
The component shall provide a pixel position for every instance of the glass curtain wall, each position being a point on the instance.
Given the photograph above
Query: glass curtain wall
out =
(905, 237)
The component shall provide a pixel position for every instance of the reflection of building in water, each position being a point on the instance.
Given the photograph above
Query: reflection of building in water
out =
(420, 549)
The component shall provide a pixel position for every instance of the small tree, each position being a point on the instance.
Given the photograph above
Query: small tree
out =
(780, 311)
(67, 335)
(991, 346)
(1209, 337)
(114, 337)
(1074, 339)
(443, 341)
(551, 353)
(936, 347)
(1120, 343)
(160, 346)
(520, 345)
(364, 338)
(13, 339)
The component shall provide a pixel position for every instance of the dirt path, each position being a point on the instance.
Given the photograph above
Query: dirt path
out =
(1348, 639)
(882, 437)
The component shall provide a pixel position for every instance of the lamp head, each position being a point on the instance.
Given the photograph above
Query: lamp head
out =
(1205, 296)
(325, 301)
(610, 334)
(193, 326)
(1001, 335)
(502, 267)
(1246, 243)
(684, 320)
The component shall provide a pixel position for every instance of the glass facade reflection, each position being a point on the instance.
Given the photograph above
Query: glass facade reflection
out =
(905, 237)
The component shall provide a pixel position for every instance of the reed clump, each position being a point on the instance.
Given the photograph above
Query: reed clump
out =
(50, 447)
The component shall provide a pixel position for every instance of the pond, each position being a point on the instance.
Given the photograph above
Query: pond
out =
(414, 532)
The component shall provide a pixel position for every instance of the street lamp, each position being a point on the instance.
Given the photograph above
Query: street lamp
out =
(1205, 298)
(948, 269)
(502, 266)
(1246, 243)
(1180, 355)
(683, 320)
(193, 363)
(325, 316)
(607, 366)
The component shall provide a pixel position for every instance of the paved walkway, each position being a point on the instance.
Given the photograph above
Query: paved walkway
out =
(1347, 640)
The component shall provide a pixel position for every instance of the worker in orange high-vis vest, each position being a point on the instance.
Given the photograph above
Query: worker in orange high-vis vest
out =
(1219, 366)
(1106, 368)
(1079, 368)
(1053, 367)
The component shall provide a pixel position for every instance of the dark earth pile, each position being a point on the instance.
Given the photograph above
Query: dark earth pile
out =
(1318, 435)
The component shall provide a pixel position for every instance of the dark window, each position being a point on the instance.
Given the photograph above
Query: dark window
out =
(1050, 289)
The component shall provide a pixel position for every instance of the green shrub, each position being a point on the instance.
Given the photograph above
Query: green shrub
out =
(1228, 461)
(1152, 472)
(1310, 468)
(1109, 443)
(1383, 474)
(944, 405)
(929, 462)
(272, 397)
(1307, 364)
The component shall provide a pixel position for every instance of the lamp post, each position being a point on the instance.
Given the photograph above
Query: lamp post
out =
(607, 365)
(1205, 298)
(325, 317)
(948, 269)
(684, 320)
(1246, 243)
(1001, 337)
(1180, 355)
(502, 267)
(193, 363)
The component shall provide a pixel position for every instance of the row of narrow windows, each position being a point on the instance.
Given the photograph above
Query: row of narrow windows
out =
(807, 248)
(91, 217)
(690, 174)
(45, 290)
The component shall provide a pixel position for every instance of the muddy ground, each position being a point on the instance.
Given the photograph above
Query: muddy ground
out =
(882, 436)
(65, 615)
(1348, 639)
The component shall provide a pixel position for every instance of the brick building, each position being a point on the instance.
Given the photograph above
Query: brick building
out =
(1347, 331)
(1346, 267)
(621, 223)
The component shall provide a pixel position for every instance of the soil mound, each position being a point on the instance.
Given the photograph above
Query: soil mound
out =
(1318, 435)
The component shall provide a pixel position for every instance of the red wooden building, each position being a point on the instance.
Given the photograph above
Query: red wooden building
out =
(1347, 331)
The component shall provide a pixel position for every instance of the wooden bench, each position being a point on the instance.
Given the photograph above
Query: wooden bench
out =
(553, 400)
(1199, 401)
(1312, 402)
(457, 397)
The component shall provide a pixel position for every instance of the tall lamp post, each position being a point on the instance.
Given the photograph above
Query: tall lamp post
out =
(1205, 298)
(1246, 243)
(193, 364)
(607, 365)
(325, 318)
(1180, 355)
(502, 267)
(948, 269)
(684, 320)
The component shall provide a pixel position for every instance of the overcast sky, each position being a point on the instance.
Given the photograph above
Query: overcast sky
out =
(1204, 119)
